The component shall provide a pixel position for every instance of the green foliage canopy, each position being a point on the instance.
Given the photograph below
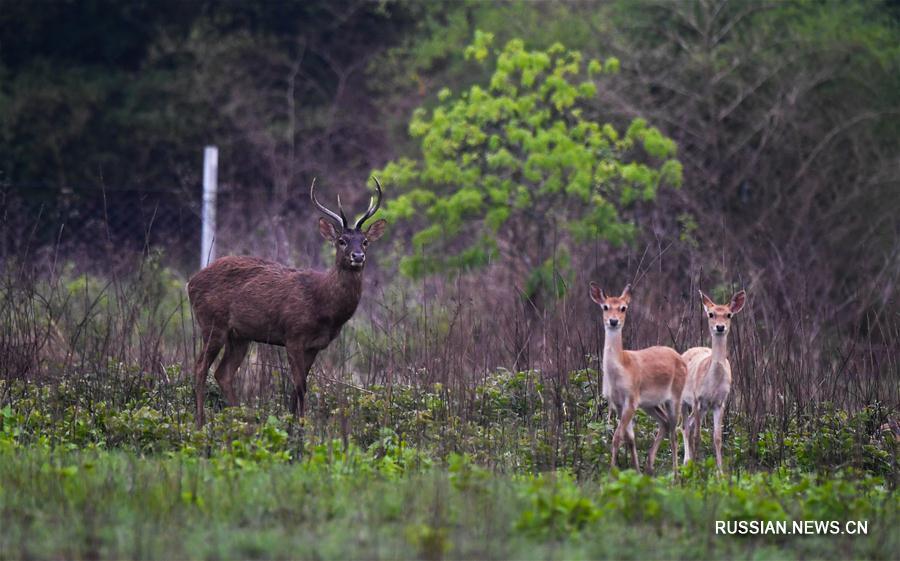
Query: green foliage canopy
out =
(518, 166)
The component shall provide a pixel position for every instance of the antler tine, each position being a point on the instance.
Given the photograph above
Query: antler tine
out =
(312, 195)
(374, 203)
(341, 210)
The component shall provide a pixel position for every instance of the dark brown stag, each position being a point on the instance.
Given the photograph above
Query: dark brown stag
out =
(237, 300)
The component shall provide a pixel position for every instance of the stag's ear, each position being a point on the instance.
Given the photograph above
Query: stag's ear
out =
(597, 294)
(737, 302)
(708, 304)
(626, 294)
(326, 228)
(376, 230)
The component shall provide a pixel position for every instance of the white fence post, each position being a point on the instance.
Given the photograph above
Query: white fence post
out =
(210, 186)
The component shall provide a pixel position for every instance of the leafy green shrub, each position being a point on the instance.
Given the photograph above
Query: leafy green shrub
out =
(633, 496)
(557, 507)
(522, 150)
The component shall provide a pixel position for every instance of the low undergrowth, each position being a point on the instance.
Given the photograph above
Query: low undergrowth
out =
(406, 473)
(503, 424)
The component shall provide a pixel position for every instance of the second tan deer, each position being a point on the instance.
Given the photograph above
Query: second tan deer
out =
(238, 300)
(709, 376)
(651, 379)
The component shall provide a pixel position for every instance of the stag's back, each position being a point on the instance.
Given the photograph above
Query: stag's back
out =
(253, 298)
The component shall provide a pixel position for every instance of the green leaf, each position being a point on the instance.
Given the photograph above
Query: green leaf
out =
(507, 151)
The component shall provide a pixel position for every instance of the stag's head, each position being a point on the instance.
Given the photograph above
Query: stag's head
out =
(719, 315)
(350, 241)
(614, 307)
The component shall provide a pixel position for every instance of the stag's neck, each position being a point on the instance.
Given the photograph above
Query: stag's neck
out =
(345, 287)
(719, 349)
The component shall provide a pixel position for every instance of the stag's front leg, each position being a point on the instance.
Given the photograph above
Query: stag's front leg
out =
(211, 347)
(301, 360)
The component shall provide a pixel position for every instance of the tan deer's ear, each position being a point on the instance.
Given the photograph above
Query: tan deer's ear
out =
(708, 304)
(737, 302)
(626, 294)
(326, 228)
(597, 294)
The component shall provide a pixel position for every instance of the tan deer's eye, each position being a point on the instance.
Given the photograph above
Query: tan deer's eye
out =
(711, 314)
(728, 315)
(623, 308)
(605, 307)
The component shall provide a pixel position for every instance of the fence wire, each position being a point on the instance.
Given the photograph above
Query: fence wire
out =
(94, 226)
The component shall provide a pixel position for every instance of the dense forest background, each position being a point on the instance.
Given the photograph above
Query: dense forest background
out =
(770, 159)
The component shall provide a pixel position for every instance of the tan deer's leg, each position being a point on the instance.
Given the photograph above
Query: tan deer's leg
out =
(622, 432)
(672, 428)
(211, 348)
(632, 443)
(662, 420)
(686, 434)
(695, 430)
(614, 448)
(718, 414)
(235, 351)
(657, 440)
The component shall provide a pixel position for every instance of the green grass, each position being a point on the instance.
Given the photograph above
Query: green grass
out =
(100, 504)
(401, 474)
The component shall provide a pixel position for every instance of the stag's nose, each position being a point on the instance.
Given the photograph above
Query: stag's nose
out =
(358, 257)
(613, 322)
(720, 328)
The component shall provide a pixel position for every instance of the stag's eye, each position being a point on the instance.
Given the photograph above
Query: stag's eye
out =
(711, 314)
(342, 242)
(365, 243)
(623, 308)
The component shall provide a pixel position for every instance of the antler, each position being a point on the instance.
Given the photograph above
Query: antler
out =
(374, 203)
(339, 219)
(341, 209)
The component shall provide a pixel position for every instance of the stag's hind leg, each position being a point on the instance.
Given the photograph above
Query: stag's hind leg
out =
(212, 344)
(232, 357)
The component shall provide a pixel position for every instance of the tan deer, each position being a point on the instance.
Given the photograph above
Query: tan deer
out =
(651, 379)
(709, 376)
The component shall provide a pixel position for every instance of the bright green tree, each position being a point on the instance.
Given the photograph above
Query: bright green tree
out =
(517, 170)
